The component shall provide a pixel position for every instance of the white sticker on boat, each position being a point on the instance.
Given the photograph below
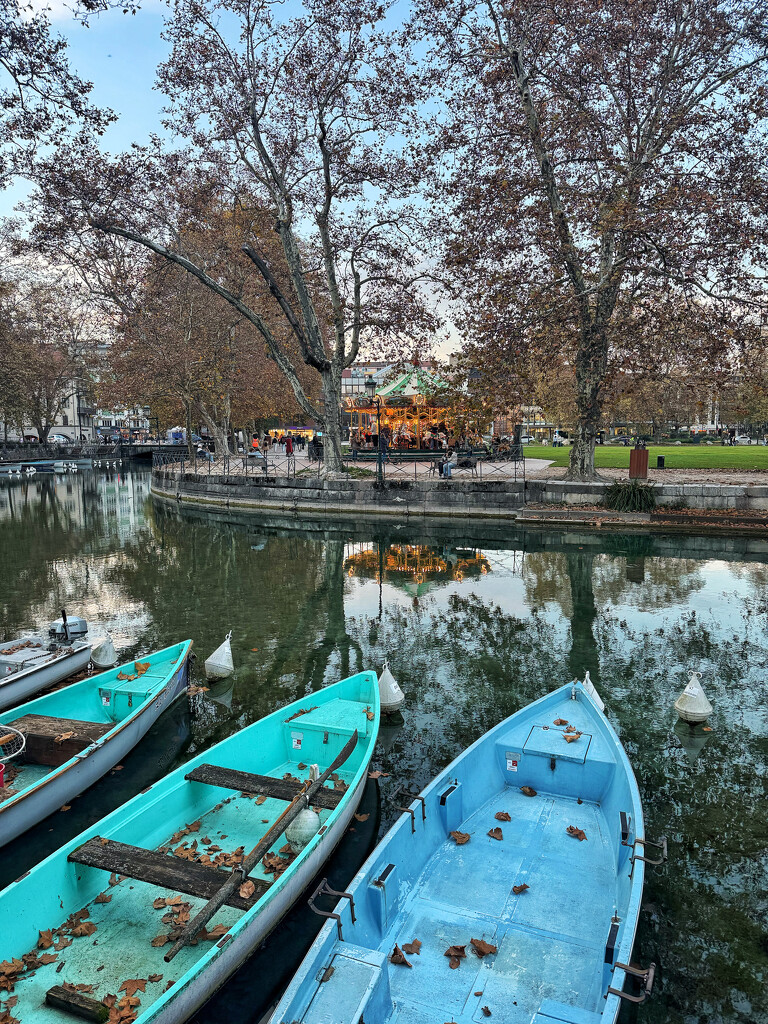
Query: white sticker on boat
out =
(297, 737)
(513, 760)
(105, 699)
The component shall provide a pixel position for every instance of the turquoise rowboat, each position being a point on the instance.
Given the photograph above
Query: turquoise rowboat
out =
(112, 902)
(511, 887)
(75, 735)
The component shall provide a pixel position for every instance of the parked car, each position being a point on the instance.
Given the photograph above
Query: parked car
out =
(527, 439)
(742, 439)
(59, 439)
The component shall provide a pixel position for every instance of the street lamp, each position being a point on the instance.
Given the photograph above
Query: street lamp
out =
(370, 390)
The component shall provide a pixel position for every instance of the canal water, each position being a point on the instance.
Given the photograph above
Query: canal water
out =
(476, 622)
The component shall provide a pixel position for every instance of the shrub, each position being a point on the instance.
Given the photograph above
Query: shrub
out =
(630, 496)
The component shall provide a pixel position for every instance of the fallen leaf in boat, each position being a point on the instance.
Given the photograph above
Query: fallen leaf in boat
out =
(11, 967)
(286, 848)
(460, 837)
(517, 889)
(214, 848)
(339, 785)
(260, 799)
(482, 948)
(172, 901)
(83, 929)
(527, 791)
(194, 827)
(301, 711)
(63, 736)
(66, 807)
(398, 957)
(412, 947)
(79, 988)
(217, 931)
(103, 898)
(571, 728)
(362, 817)
(579, 800)
(486, 1012)
(109, 1000)
(377, 774)
(159, 903)
(155, 977)
(177, 836)
(49, 958)
(247, 889)
(560, 721)
(456, 953)
(140, 667)
(160, 940)
(301, 766)
(572, 738)
(133, 985)
(478, 993)
(205, 841)
(496, 833)
(369, 714)
(291, 778)
(6, 984)
(577, 833)
(502, 816)
(62, 943)
(45, 940)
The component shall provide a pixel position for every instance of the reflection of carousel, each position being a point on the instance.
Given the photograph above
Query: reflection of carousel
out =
(415, 568)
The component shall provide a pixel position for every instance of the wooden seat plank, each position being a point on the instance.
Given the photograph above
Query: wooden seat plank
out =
(41, 732)
(167, 872)
(261, 785)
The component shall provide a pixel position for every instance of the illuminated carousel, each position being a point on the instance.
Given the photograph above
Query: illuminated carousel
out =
(415, 568)
(410, 406)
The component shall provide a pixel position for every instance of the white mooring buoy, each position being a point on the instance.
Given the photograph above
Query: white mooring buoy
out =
(103, 653)
(391, 697)
(692, 705)
(220, 665)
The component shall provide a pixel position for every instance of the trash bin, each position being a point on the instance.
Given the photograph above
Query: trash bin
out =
(660, 464)
(638, 464)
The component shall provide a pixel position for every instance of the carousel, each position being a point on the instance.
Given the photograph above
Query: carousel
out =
(410, 409)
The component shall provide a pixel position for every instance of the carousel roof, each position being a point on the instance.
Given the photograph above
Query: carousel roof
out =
(410, 383)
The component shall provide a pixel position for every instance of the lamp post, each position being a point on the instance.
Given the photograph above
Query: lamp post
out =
(370, 390)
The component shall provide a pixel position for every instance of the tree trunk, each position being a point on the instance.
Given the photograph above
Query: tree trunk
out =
(219, 432)
(332, 422)
(188, 411)
(591, 366)
(43, 429)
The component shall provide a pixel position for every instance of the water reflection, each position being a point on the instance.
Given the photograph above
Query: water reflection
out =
(475, 623)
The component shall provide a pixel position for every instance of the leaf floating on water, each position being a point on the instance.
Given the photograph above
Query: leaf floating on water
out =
(194, 690)
(527, 791)
(103, 897)
(413, 947)
(84, 928)
(496, 833)
(706, 728)
(45, 940)
(517, 889)
(362, 817)
(378, 774)
(66, 807)
(577, 833)
(133, 985)
(160, 940)
(486, 1012)
(398, 957)
(572, 737)
(502, 816)
(460, 837)
(483, 948)
(560, 721)
(247, 889)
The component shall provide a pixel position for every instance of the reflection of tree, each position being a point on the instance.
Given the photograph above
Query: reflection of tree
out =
(665, 582)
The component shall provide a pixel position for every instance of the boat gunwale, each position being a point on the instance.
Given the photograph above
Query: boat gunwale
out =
(325, 941)
(57, 658)
(107, 737)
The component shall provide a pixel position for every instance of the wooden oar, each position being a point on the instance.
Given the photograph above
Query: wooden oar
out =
(241, 872)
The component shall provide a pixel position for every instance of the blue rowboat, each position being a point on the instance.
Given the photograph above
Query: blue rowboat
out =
(113, 901)
(523, 905)
(75, 735)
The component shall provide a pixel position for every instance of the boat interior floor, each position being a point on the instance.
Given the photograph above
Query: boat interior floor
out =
(547, 936)
(220, 820)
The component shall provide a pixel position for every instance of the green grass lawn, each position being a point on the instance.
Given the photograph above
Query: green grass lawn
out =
(743, 457)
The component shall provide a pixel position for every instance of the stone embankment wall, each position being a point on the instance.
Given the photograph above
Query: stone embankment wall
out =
(459, 497)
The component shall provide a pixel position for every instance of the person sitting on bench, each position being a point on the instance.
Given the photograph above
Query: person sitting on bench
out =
(449, 463)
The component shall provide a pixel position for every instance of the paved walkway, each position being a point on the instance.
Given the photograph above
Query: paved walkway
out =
(543, 470)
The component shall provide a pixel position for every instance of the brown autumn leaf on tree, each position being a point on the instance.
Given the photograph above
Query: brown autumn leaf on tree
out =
(459, 837)
(483, 948)
(503, 816)
(398, 957)
(496, 833)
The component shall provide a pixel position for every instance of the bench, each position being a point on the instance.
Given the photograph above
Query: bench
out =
(465, 463)
(261, 785)
(163, 870)
(41, 732)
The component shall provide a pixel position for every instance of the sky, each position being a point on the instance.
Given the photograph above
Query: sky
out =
(118, 53)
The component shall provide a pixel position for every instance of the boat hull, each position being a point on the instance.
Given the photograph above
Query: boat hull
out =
(31, 806)
(20, 686)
